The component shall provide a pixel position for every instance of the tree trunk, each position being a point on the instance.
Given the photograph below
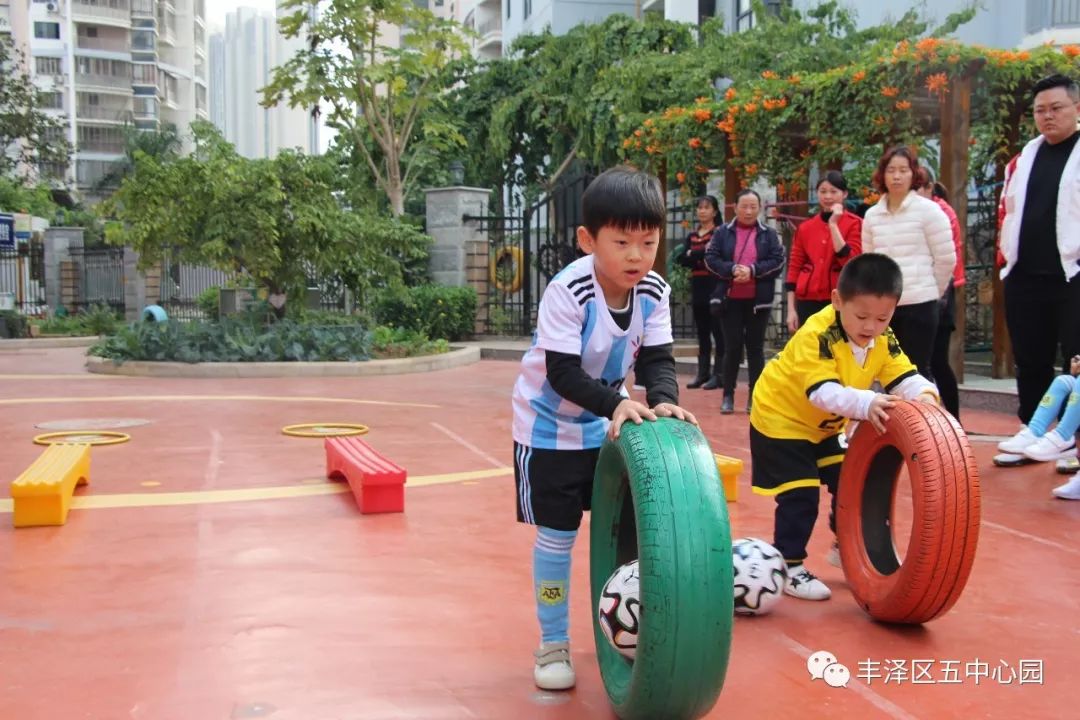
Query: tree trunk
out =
(396, 195)
(955, 132)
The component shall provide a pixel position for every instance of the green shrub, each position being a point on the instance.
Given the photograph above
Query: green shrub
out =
(399, 342)
(242, 340)
(437, 311)
(99, 320)
(14, 325)
(320, 317)
(208, 303)
(236, 341)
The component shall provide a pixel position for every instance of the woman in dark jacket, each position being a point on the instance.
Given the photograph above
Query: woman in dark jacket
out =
(746, 257)
(702, 284)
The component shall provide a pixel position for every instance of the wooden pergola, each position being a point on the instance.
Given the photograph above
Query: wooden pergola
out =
(949, 118)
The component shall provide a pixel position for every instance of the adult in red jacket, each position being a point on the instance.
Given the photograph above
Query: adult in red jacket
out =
(821, 247)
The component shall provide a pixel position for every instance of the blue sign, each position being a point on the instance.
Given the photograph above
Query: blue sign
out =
(7, 231)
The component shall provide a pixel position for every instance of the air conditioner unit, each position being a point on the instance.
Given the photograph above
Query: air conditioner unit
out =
(52, 7)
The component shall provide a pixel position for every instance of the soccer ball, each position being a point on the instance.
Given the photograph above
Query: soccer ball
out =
(760, 574)
(620, 609)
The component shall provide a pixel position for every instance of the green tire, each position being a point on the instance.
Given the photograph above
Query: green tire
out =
(657, 497)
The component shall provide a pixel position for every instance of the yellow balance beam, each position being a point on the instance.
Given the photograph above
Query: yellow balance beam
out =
(729, 469)
(42, 494)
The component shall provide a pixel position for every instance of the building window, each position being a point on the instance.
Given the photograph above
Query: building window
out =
(744, 15)
(52, 100)
(744, 12)
(528, 9)
(508, 3)
(47, 65)
(47, 30)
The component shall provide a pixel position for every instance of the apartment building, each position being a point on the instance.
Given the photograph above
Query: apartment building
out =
(998, 23)
(110, 65)
(242, 61)
(485, 18)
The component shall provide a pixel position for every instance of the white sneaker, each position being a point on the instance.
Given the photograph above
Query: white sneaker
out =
(1018, 442)
(553, 670)
(803, 585)
(1050, 446)
(833, 558)
(1070, 490)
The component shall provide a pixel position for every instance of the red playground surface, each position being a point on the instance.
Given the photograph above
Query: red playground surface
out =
(210, 570)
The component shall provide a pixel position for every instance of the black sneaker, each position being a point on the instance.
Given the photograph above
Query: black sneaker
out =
(728, 406)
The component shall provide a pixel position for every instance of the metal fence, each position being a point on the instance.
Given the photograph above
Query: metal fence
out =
(181, 285)
(22, 278)
(100, 273)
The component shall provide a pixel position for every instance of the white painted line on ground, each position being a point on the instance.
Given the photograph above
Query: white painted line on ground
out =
(889, 708)
(468, 445)
(1032, 538)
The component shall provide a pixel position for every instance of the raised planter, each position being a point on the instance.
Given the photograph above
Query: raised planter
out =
(48, 342)
(457, 357)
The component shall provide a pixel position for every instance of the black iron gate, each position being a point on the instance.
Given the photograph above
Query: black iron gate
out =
(525, 252)
(22, 278)
(100, 277)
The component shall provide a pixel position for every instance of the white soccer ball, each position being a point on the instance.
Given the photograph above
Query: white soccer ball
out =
(620, 609)
(760, 574)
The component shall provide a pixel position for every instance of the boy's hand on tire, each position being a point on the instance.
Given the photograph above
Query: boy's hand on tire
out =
(628, 410)
(669, 410)
(879, 411)
(929, 398)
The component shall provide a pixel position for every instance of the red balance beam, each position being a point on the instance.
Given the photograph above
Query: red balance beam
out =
(378, 484)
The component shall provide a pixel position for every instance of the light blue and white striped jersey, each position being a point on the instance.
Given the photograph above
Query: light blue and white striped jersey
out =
(574, 319)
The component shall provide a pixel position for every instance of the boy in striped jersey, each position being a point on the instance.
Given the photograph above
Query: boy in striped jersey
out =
(600, 317)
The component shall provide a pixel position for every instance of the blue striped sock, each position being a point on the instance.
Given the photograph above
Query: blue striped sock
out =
(551, 581)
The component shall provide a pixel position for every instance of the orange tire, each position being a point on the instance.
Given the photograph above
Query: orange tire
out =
(945, 518)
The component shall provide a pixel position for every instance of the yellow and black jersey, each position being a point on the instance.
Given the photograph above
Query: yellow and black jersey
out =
(819, 353)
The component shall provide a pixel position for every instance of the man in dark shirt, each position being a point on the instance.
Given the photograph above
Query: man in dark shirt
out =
(1040, 252)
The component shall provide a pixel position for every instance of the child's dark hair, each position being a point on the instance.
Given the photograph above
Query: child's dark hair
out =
(870, 274)
(625, 199)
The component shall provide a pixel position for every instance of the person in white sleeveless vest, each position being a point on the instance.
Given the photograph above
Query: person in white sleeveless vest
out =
(601, 317)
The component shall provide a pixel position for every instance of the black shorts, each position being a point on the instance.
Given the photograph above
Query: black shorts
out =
(554, 487)
(780, 464)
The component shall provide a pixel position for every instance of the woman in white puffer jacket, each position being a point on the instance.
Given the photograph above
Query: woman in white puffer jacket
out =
(914, 232)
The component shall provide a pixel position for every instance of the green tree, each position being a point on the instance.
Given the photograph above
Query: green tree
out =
(387, 92)
(27, 133)
(277, 221)
(530, 116)
(34, 200)
(164, 144)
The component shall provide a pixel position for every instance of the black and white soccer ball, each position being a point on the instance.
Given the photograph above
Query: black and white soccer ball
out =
(620, 609)
(760, 575)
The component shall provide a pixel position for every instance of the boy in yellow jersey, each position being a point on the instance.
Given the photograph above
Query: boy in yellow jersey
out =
(807, 393)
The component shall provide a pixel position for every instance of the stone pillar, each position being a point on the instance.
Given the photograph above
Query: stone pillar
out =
(58, 240)
(455, 239)
(69, 285)
(134, 287)
(476, 275)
